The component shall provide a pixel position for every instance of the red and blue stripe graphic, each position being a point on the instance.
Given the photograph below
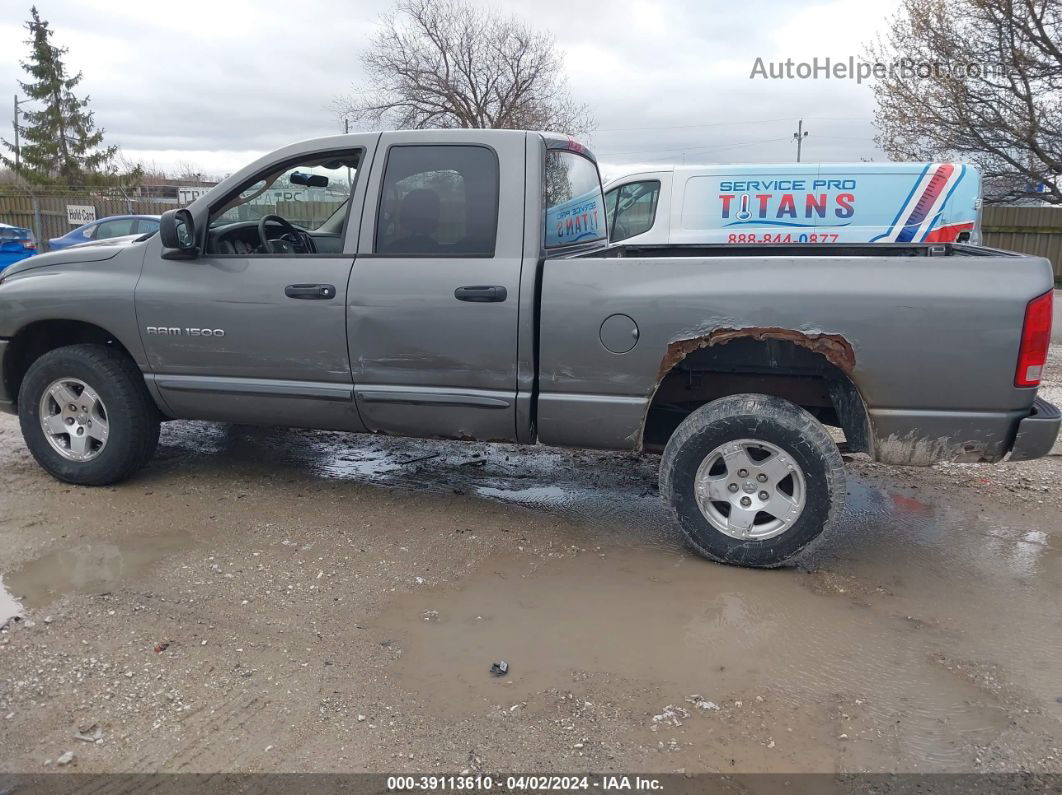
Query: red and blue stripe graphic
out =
(921, 210)
(926, 202)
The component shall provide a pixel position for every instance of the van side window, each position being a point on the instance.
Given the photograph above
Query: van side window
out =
(437, 201)
(635, 209)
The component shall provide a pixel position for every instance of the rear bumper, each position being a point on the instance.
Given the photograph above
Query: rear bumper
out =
(1037, 432)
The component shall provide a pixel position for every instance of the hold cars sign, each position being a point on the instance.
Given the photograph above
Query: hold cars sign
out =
(78, 214)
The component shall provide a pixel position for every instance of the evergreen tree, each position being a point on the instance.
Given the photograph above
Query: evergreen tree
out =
(59, 141)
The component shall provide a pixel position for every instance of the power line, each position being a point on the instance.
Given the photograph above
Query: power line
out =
(694, 148)
(689, 126)
(728, 123)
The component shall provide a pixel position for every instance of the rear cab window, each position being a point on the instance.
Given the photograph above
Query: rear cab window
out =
(575, 206)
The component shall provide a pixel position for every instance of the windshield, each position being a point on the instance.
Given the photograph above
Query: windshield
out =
(575, 208)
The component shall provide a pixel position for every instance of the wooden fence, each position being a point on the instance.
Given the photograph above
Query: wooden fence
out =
(45, 213)
(1030, 230)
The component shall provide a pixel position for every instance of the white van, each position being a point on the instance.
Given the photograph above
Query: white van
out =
(796, 203)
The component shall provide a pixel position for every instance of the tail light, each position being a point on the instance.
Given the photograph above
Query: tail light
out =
(1035, 340)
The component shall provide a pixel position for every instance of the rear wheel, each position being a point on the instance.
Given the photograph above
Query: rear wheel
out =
(752, 480)
(86, 415)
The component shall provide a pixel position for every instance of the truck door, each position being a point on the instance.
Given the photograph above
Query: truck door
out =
(252, 330)
(433, 304)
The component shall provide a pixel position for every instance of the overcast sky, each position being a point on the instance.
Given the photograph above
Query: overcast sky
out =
(214, 84)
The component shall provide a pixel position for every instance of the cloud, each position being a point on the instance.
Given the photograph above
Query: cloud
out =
(217, 84)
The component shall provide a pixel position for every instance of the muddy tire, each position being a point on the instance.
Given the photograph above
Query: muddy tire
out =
(86, 415)
(752, 480)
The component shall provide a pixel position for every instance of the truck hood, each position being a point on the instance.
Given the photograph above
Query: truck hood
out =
(88, 252)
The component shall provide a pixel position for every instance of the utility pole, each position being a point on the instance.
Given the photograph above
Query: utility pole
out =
(18, 150)
(799, 136)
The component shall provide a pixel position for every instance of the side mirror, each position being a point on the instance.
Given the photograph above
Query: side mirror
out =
(177, 232)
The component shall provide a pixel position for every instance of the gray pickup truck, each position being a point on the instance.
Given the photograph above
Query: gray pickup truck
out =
(458, 284)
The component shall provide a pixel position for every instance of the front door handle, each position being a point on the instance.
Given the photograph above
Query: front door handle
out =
(310, 292)
(481, 294)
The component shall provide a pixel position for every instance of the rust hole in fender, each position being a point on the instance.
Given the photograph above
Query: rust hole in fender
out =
(834, 347)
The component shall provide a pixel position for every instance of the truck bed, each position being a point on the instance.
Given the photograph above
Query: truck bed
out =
(802, 250)
(930, 348)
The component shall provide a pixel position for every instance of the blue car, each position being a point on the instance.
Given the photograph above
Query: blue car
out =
(112, 226)
(16, 244)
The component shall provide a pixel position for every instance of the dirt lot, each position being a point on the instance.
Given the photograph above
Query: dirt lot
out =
(267, 600)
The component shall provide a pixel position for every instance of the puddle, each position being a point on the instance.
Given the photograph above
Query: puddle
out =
(614, 497)
(10, 607)
(718, 631)
(88, 568)
(598, 489)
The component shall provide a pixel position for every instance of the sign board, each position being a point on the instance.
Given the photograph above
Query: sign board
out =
(829, 203)
(186, 196)
(282, 195)
(78, 214)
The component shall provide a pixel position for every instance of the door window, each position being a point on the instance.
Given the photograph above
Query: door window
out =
(635, 209)
(115, 228)
(306, 202)
(438, 201)
(145, 225)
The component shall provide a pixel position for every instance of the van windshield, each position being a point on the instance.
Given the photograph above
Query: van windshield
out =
(575, 208)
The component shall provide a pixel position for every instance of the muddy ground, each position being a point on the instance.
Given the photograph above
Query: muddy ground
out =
(264, 600)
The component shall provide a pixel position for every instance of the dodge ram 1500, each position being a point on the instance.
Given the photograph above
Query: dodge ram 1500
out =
(459, 284)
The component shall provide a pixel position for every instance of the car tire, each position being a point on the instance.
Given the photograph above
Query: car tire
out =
(752, 480)
(102, 393)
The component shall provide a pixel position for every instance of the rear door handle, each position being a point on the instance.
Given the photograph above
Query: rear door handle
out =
(310, 292)
(481, 294)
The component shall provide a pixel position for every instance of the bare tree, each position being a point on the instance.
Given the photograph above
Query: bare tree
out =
(446, 63)
(979, 80)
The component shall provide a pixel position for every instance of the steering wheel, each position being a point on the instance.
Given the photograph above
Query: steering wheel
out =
(298, 238)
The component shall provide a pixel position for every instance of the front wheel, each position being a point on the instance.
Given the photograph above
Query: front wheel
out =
(86, 415)
(752, 480)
